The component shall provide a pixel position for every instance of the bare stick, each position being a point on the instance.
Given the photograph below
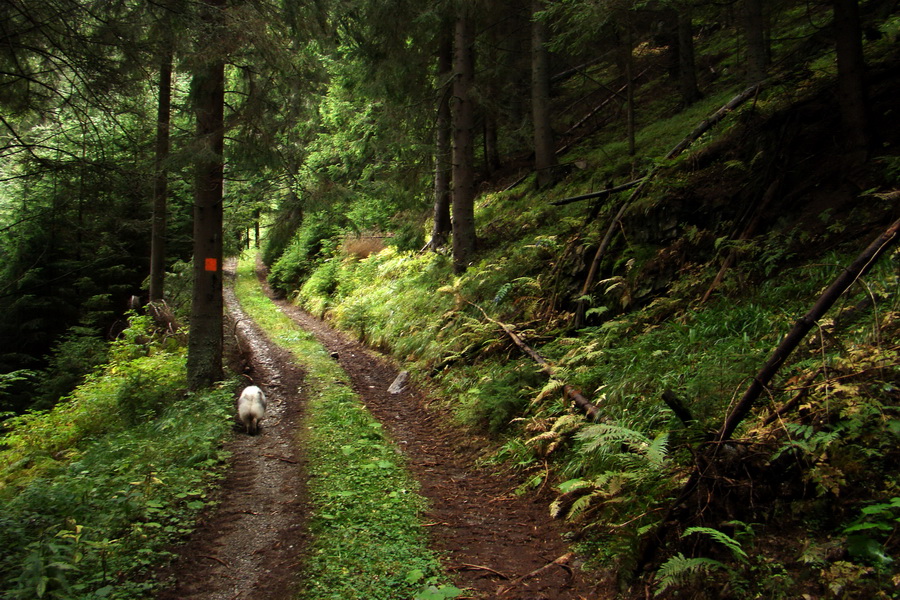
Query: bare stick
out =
(592, 411)
(561, 561)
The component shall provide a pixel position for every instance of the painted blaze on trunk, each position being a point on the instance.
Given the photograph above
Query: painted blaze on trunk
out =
(205, 344)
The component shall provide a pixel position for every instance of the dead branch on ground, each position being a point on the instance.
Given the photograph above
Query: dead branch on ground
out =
(590, 409)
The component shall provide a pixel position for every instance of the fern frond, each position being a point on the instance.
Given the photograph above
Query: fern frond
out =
(610, 438)
(678, 569)
(732, 544)
(551, 387)
(657, 451)
(568, 423)
(542, 437)
(579, 506)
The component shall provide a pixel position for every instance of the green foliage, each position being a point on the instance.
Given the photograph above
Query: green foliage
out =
(77, 354)
(93, 491)
(679, 569)
(312, 243)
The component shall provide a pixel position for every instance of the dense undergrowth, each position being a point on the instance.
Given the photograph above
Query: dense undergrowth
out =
(366, 542)
(805, 503)
(95, 490)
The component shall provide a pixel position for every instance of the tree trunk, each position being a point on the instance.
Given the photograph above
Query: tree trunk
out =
(628, 68)
(851, 78)
(442, 164)
(160, 190)
(544, 152)
(205, 344)
(687, 69)
(463, 133)
(492, 161)
(757, 48)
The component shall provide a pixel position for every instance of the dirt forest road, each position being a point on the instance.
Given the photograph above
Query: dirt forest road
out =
(495, 544)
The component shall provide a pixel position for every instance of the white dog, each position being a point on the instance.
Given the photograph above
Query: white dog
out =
(252, 408)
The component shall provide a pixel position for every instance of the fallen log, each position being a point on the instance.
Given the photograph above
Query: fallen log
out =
(710, 122)
(573, 394)
(702, 128)
(601, 194)
(848, 276)
(677, 406)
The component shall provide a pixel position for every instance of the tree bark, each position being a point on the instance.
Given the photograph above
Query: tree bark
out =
(544, 151)
(440, 232)
(851, 78)
(205, 343)
(161, 183)
(687, 68)
(628, 63)
(757, 48)
(463, 175)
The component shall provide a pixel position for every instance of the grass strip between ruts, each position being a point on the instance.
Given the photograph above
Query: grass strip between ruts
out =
(367, 540)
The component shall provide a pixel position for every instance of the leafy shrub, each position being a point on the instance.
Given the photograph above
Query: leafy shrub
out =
(79, 352)
(313, 242)
(92, 491)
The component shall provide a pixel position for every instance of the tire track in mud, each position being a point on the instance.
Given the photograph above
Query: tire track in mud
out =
(250, 545)
(489, 537)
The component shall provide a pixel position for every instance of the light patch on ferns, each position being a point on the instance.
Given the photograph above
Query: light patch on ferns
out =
(546, 442)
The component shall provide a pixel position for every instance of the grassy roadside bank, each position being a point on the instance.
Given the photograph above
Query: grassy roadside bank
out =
(367, 540)
(94, 491)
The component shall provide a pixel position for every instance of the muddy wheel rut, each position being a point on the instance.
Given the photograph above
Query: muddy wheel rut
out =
(495, 544)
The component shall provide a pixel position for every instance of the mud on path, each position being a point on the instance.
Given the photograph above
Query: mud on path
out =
(496, 545)
(250, 546)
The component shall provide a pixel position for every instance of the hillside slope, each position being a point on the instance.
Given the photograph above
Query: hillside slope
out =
(708, 268)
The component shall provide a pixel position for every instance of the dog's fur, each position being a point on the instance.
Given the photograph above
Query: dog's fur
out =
(252, 408)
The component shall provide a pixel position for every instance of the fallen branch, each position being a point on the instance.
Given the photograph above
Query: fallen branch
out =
(601, 194)
(468, 567)
(678, 407)
(850, 274)
(748, 232)
(561, 561)
(590, 409)
(218, 560)
(654, 539)
(702, 128)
